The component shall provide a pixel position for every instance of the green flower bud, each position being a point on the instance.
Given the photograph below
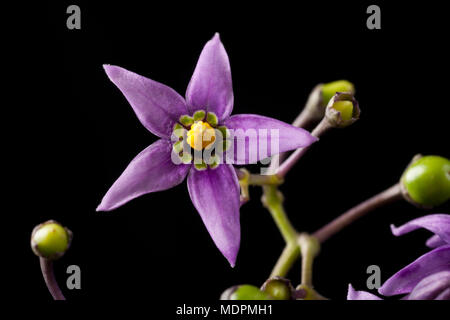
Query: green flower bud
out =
(50, 240)
(244, 292)
(342, 110)
(345, 108)
(279, 288)
(331, 88)
(426, 181)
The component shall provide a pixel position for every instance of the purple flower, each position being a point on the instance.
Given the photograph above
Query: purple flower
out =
(428, 277)
(213, 187)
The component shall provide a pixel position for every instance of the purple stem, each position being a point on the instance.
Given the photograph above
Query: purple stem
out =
(287, 165)
(50, 280)
(389, 195)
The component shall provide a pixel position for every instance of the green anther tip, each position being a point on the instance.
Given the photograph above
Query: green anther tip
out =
(345, 108)
(178, 146)
(212, 119)
(200, 166)
(186, 121)
(50, 240)
(330, 89)
(223, 131)
(186, 158)
(199, 115)
(214, 161)
(427, 181)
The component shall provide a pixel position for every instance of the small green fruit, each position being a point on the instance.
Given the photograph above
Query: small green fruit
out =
(244, 292)
(278, 288)
(50, 240)
(345, 108)
(330, 89)
(427, 181)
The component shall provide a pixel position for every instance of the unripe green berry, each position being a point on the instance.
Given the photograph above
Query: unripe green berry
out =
(244, 292)
(278, 288)
(330, 89)
(342, 110)
(345, 108)
(427, 181)
(50, 240)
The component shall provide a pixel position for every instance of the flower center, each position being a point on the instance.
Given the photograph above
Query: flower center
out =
(201, 135)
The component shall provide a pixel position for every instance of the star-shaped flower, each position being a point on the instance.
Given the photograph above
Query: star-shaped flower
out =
(196, 122)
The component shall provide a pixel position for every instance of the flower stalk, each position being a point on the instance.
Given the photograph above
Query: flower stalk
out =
(287, 165)
(273, 201)
(309, 247)
(387, 196)
(50, 279)
(289, 255)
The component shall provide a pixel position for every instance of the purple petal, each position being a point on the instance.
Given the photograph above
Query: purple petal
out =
(360, 295)
(439, 224)
(407, 278)
(444, 295)
(215, 195)
(435, 241)
(211, 87)
(258, 137)
(431, 287)
(156, 105)
(151, 170)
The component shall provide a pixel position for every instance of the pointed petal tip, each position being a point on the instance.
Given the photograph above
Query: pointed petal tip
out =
(112, 71)
(232, 259)
(102, 207)
(394, 230)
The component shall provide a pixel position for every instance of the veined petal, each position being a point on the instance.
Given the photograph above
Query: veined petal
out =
(439, 224)
(151, 170)
(258, 137)
(431, 287)
(211, 88)
(156, 105)
(215, 195)
(435, 241)
(352, 294)
(407, 278)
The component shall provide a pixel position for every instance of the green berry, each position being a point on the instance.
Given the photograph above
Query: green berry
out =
(244, 292)
(50, 240)
(278, 288)
(427, 181)
(330, 89)
(345, 108)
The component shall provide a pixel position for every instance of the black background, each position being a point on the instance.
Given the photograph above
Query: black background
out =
(79, 133)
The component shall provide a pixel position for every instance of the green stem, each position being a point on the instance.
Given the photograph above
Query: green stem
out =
(273, 201)
(289, 255)
(309, 247)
